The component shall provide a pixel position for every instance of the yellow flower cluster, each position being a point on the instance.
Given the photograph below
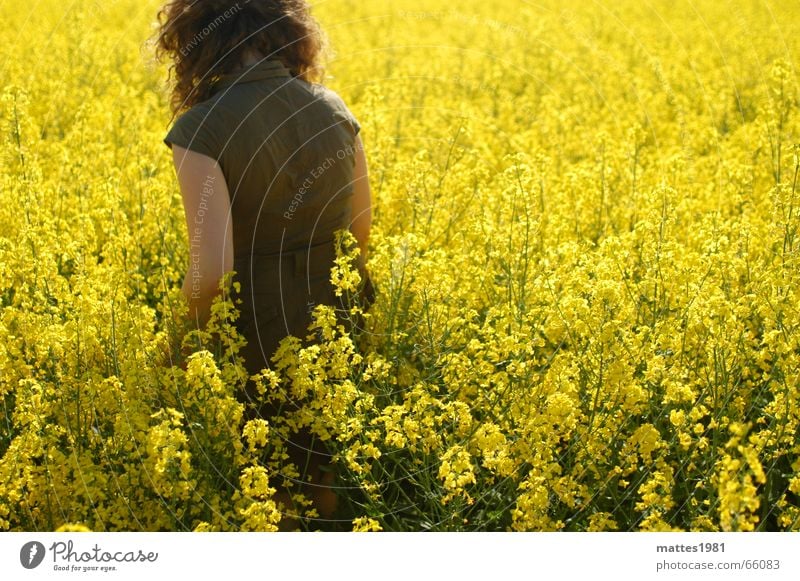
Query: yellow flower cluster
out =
(365, 524)
(585, 249)
(456, 473)
(168, 460)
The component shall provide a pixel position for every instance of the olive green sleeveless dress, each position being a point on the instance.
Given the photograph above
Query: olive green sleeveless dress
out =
(286, 148)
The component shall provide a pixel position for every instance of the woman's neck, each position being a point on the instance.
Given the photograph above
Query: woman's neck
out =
(250, 58)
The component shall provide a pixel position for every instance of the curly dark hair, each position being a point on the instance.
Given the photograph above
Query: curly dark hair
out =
(205, 39)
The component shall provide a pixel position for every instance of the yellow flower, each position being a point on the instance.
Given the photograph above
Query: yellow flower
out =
(365, 524)
(255, 432)
(456, 472)
(73, 528)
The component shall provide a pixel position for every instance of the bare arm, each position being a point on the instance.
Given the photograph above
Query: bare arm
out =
(206, 204)
(362, 204)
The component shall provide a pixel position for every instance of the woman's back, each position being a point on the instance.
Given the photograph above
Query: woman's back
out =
(286, 148)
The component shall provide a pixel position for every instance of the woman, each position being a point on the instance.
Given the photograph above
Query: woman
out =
(270, 164)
